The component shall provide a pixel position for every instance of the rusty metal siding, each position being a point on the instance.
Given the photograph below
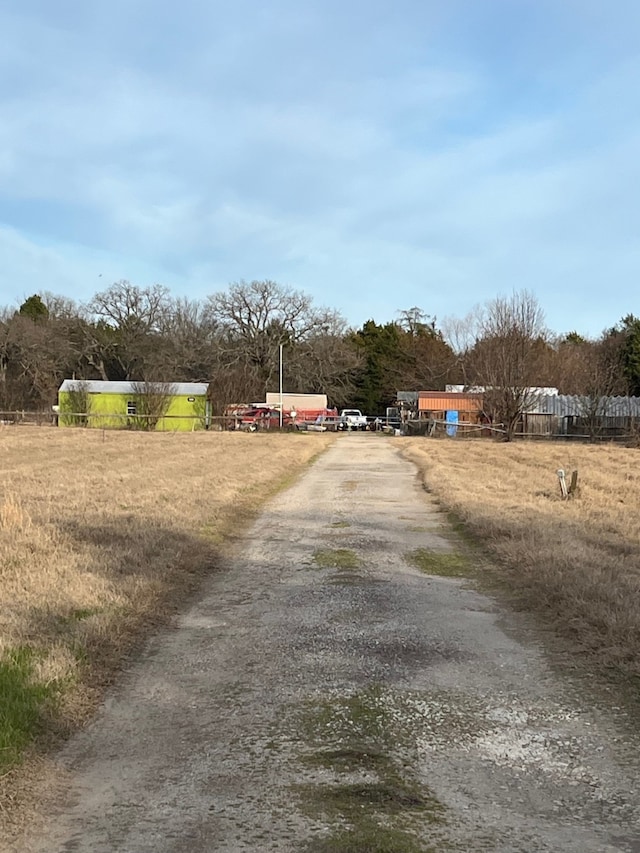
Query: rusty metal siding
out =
(435, 404)
(449, 401)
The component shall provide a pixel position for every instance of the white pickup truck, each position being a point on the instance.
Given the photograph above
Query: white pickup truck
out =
(352, 419)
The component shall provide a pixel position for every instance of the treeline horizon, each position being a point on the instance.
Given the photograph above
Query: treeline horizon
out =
(232, 340)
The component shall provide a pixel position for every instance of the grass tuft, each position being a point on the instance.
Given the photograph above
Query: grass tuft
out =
(346, 758)
(450, 565)
(367, 740)
(348, 800)
(336, 558)
(23, 703)
(368, 837)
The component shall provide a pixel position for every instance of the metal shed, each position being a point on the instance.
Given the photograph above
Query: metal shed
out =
(153, 406)
(435, 404)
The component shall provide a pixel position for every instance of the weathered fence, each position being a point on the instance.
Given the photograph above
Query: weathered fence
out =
(532, 427)
(139, 422)
(113, 420)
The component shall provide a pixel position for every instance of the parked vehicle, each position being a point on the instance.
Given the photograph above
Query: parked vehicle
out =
(317, 420)
(352, 419)
(322, 423)
(257, 418)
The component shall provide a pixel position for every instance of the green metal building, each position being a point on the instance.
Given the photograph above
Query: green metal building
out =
(152, 406)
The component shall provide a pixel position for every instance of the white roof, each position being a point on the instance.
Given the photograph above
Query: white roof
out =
(97, 386)
(480, 389)
(563, 405)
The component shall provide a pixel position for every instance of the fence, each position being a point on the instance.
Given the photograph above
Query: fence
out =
(167, 423)
(29, 418)
(115, 420)
(438, 428)
(533, 428)
(141, 422)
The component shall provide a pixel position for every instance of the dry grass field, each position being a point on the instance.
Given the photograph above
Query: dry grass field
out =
(101, 537)
(577, 562)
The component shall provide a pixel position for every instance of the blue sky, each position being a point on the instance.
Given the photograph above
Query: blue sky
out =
(377, 155)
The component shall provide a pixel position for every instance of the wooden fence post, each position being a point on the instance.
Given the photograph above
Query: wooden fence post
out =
(563, 483)
(573, 487)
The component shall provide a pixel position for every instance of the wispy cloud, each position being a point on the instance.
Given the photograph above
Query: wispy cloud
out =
(420, 153)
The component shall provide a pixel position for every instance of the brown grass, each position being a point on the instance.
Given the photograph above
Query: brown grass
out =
(103, 537)
(577, 561)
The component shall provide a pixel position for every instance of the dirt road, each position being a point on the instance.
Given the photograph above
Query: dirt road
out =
(325, 695)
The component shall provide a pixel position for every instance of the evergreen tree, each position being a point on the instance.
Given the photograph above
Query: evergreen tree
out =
(630, 353)
(34, 308)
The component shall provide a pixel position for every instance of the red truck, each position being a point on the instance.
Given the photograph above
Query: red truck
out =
(258, 417)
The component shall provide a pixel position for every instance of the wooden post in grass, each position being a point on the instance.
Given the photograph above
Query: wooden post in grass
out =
(563, 483)
(571, 490)
(573, 486)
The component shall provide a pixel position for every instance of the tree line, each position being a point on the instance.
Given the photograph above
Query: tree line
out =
(232, 340)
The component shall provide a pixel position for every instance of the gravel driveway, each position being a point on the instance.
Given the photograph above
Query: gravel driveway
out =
(326, 695)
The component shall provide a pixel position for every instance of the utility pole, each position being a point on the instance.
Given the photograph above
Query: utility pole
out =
(280, 386)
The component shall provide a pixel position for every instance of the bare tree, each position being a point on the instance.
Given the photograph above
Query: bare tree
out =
(592, 371)
(126, 306)
(255, 318)
(426, 359)
(190, 344)
(60, 307)
(325, 362)
(230, 386)
(34, 358)
(505, 356)
(131, 324)
(75, 406)
(152, 401)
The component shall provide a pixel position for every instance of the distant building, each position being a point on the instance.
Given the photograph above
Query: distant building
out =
(480, 389)
(154, 406)
(549, 413)
(454, 406)
(297, 402)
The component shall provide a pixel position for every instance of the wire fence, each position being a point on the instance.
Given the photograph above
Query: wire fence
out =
(562, 429)
(28, 418)
(117, 420)
(623, 430)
